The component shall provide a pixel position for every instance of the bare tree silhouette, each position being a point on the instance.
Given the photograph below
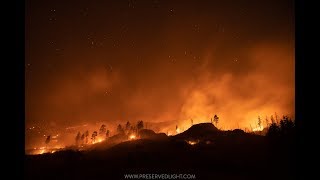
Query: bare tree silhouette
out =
(267, 121)
(272, 119)
(259, 122)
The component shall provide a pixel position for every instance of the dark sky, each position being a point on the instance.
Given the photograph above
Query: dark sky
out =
(156, 60)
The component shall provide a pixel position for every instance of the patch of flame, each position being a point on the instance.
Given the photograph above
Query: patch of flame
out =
(192, 142)
(178, 130)
(132, 136)
(257, 129)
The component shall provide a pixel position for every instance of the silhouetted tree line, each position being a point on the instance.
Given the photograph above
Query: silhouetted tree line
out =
(82, 139)
(104, 133)
(285, 128)
(128, 128)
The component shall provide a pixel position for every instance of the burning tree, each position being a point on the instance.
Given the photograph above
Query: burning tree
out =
(102, 129)
(216, 119)
(82, 138)
(267, 122)
(272, 119)
(94, 135)
(107, 133)
(140, 125)
(78, 138)
(259, 122)
(48, 139)
(120, 129)
(86, 134)
(128, 126)
(133, 130)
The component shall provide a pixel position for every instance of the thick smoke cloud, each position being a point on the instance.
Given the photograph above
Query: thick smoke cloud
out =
(266, 87)
(164, 64)
(239, 98)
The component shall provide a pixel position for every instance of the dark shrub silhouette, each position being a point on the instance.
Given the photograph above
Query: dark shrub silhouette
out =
(273, 131)
(267, 121)
(286, 126)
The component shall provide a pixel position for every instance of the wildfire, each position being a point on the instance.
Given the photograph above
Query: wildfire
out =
(192, 142)
(97, 141)
(132, 137)
(40, 150)
(43, 150)
(178, 130)
(257, 129)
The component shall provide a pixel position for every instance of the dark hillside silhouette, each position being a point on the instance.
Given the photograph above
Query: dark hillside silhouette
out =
(202, 149)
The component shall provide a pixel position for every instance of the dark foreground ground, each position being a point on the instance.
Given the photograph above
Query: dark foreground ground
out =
(216, 156)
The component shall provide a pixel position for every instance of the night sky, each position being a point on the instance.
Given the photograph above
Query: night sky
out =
(88, 61)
